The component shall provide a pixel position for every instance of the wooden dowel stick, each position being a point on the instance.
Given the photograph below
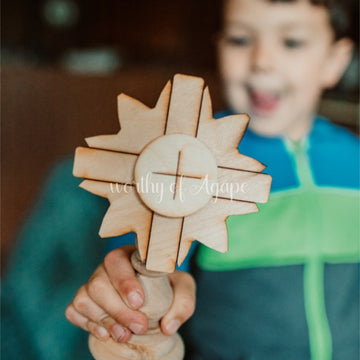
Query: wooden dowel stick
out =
(154, 345)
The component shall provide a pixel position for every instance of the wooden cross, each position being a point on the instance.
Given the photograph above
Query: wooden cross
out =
(172, 173)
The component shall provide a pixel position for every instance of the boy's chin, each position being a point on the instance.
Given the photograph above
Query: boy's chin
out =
(266, 127)
(279, 129)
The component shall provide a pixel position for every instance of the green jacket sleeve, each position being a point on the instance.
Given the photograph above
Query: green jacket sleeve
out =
(55, 253)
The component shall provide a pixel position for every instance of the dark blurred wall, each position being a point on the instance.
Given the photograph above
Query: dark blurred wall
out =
(155, 31)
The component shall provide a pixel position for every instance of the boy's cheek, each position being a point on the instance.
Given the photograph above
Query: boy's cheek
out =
(236, 97)
(304, 76)
(233, 68)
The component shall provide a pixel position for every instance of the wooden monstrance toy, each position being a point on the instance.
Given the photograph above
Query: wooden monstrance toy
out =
(173, 175)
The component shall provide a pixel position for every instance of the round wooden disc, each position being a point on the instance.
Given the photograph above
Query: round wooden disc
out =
(174, 175)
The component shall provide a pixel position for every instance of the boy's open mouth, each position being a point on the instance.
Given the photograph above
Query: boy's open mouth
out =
(263, 102)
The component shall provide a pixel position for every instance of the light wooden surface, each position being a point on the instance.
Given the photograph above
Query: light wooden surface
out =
(139, 124)
(173, 173)
(184, 105)
(154, 345)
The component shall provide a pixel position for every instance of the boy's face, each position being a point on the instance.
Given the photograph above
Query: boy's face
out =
(275, 60)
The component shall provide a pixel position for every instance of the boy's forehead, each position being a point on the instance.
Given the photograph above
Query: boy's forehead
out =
(295, 13)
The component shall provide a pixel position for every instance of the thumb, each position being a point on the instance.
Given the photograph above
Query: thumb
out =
(183, 304)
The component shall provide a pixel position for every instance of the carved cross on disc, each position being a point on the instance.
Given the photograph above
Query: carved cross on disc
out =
(178, 176)
(172, 174)
(182, 164)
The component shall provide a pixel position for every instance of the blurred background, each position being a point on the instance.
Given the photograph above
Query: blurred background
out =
(65, 61)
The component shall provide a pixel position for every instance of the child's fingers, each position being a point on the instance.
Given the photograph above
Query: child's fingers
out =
(89, 310)
(118, 266)
(183, 305)
(102, 293)
(103, 331)
(81, 321)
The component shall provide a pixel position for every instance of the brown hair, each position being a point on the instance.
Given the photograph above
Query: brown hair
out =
(343, 16)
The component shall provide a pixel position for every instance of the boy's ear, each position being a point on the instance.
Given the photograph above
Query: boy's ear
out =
(337, 62)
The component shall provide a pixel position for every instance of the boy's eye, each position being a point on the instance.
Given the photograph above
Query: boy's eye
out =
(293, 43)
(237, 40)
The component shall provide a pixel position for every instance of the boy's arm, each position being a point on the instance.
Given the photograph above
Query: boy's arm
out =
(108, 304)
(56, 250)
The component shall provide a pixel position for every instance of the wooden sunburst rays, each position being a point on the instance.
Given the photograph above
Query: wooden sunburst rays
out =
(179, 147)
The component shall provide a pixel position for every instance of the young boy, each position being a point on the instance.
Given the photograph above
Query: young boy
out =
(288, 287)
(266, 297)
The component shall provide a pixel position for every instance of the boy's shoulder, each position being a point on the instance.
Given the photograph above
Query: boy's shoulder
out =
(335, 154)
(329, 138)
(325, 131)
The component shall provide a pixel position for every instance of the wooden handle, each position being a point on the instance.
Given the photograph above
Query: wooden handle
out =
(154, 345)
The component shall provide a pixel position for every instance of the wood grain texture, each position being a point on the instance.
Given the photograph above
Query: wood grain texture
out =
(172, 174)
(243, 185)
(164, 243)
(124, 212)
(208, 226)
(184, 109)
(154, 345)
(139, 124)
(171, 171)
(104, 165)
(223, 136)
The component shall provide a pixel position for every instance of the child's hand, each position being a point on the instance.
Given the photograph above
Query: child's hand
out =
(107, 305)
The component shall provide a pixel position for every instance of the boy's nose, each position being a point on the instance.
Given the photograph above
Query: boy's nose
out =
(263, 58)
